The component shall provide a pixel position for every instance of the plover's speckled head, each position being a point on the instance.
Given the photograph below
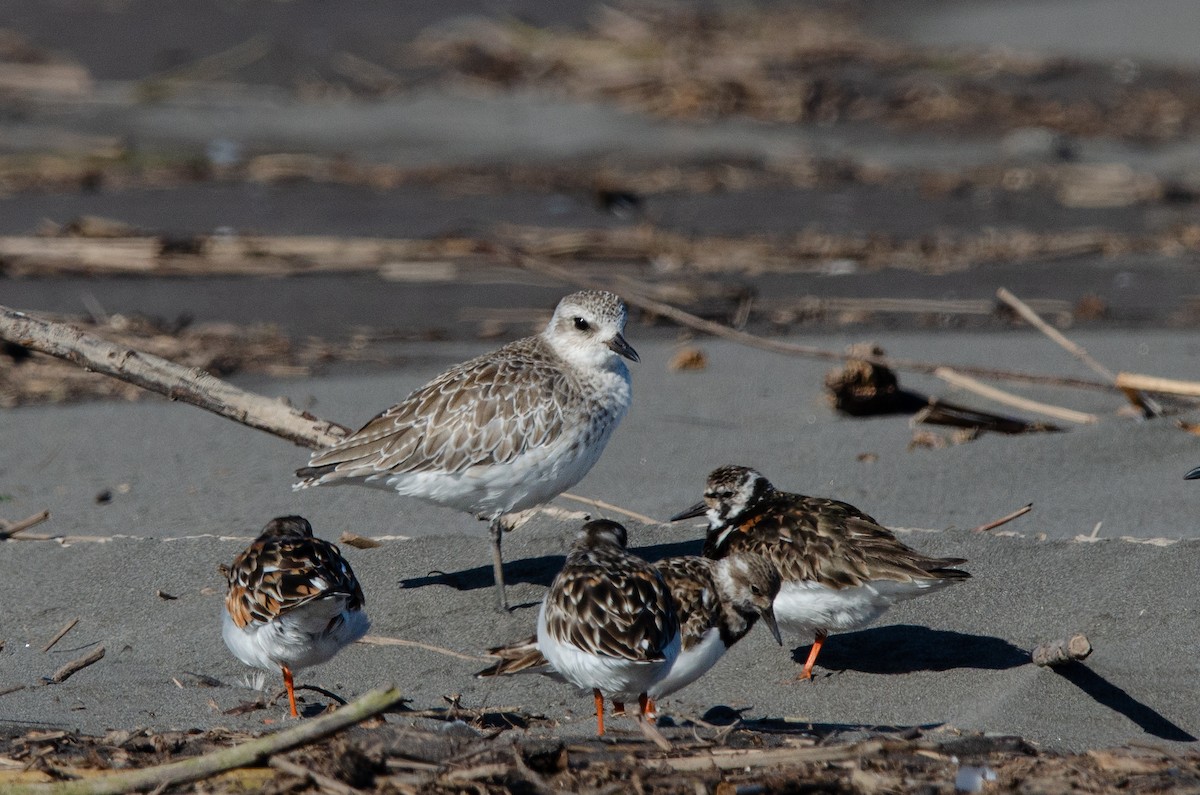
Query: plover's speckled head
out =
(588, 328)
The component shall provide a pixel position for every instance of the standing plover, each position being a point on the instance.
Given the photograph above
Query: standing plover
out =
(502, 432)
(841, 569)
(607, 624)
(293, 601)
(717, 602)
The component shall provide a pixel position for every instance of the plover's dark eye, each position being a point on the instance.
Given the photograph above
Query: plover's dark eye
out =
(754, 589)
(582, 325)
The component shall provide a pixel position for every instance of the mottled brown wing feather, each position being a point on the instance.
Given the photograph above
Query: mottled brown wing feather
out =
(445, 426)
(831, 543)
(275, 575)
(626, 615)
(694, 592)
(514, 658)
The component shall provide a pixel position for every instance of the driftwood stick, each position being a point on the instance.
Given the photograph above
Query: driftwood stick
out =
(23, 525)
(1058, 652)
(1003, 520)
(70, 625)
(75, 666)
(191, 385)
(688, 320)
(201, 767)
(1150, 383)
(1016, 401)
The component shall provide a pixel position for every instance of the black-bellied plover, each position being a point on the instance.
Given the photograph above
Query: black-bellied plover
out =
(502, 432)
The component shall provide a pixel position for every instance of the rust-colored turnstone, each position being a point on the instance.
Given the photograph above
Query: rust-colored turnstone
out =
(841, 569)
(293, 601)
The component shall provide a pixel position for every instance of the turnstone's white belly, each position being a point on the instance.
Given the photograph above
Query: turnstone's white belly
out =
(305, 637)
(690, 665)
(616, 678)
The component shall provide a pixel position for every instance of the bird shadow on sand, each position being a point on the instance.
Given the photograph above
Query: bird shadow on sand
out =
(1115, 698)
(906, 648)
(536, 571)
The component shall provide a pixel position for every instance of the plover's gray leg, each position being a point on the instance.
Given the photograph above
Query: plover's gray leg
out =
(496, 528)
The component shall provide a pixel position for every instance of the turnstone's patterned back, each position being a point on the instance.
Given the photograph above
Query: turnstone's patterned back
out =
(285, 568)
(840, 568)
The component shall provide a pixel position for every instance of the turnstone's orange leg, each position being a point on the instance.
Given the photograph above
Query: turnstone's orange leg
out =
(599, 711)
(818, 641)
(291, 689)
(647, 705)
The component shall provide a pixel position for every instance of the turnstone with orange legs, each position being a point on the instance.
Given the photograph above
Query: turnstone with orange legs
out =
(505, 431)
(841, 569)
(607, 624)
(716, 602)
(293, 602)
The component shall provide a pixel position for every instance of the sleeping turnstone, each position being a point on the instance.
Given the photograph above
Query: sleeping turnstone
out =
(716, 602)
(607, 623)
(292, 603)
(502, 432)
(841, 569)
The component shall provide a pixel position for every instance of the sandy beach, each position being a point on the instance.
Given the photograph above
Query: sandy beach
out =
(381, 194)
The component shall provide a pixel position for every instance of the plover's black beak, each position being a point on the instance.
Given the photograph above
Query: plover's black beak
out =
(768, 617)
(620, 346)
(1193, 475)
(699, 509)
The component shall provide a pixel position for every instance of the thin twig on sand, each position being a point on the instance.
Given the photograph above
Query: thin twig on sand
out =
(381, 640)
(1003, 520)
(201, 767)
(59, 635)
(608, 506)
(1146, 405)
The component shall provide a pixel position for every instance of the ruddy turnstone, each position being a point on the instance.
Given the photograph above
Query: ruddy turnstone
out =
(607, 624)
(502, 432)
(293, 601)
(716, 602)
(841, 569)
